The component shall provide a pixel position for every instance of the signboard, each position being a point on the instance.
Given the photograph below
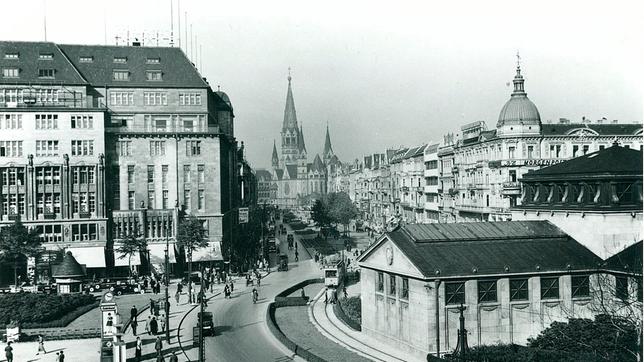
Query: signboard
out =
(531, 162)
(243, 215)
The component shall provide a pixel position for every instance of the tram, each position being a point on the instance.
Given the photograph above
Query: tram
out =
(333, 269)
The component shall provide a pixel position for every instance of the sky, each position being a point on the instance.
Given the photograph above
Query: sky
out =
(380, 74)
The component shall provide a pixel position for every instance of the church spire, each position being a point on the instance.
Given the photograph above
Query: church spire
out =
(290, 119)
(275, 159)
(300, 140)
(518, 80)
(328, 150)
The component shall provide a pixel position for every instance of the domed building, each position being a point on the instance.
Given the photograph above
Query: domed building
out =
(519, 116)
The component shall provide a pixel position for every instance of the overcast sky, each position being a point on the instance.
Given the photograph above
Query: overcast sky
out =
(382, 74)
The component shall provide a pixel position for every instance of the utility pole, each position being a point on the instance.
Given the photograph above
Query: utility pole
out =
(202, 302)
(167, 282)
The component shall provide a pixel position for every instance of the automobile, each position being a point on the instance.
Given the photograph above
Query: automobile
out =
(194, 277)
(283, 263)
(208, 325)
(125, 288)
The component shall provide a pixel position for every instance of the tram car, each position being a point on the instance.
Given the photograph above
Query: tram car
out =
(333, 269)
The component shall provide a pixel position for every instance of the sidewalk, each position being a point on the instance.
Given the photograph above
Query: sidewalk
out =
(324, 319)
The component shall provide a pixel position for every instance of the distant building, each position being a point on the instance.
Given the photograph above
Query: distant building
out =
(515, 278)
(266, 190)
(595, 198)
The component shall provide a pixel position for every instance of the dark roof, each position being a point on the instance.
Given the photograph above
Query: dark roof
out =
(603, 129)
(280, 173)
(470, 249)
(177, 70)
(29, 63)
(614, 160)
(292, 171)
(263, 175)
(68, 268)
(627, 260)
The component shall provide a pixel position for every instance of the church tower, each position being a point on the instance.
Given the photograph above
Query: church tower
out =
(290, 152)
(275, 161)
(327, 154)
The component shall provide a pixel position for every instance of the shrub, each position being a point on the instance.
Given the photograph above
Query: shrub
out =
(511, 353)
(351, 307)
(31, 308)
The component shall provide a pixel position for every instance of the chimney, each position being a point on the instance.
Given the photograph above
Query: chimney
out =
(615, 121)
(136, 43)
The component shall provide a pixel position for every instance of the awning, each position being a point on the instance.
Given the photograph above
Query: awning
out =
(157, 253)
(91, 257)
(121, 260)
(208, 253)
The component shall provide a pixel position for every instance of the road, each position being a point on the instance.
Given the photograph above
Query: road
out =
(241, 333)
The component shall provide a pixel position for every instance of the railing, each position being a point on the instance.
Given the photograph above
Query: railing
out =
(164, 130)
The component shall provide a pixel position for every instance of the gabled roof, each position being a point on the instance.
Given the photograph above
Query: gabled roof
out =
(263, 175)
(617, 129)
(301, 146)
(318, 165)
(279, 173)
(614, 160)
(292, 171)
(68, 268)
(498, 248)
(628, 260)
(177, 70)
(29, 63)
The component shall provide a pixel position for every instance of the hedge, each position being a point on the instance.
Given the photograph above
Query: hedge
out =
(31, 309)
(348, 310)
(64, 320)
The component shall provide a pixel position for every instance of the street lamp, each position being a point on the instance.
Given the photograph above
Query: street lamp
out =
(167, 280)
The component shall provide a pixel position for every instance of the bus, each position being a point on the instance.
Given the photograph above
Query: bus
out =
(333, 269)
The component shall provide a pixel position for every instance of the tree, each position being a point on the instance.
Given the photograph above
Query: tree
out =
(341, 209)
(191, 235)
(319, 214)
(18, 243)
(129, 245)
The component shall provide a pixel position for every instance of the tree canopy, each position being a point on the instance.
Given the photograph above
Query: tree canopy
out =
(17, 243)
(130, 245)
(191, 235)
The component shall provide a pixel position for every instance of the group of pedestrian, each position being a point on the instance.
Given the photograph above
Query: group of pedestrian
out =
(228, 290)
(334, 296)
(8, 351)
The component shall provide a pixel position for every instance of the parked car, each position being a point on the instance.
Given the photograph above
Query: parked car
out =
(125, 288)
(194, 277)
(208, 325)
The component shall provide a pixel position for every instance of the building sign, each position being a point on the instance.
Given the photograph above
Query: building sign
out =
(243, 215)
(531, 162)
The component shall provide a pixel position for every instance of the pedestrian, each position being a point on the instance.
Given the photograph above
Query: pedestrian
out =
(232, 287)
(133, 312)
(335, 296)
(326, 296)
(174, 358)
(154, 326)
(147, 325)
(8, 352)
(134, 324)
(158, 345)
(41, 345)
(177, 295)
(344, 289)
(61, 357)
(160, 358)
(138, 351)
(151, 306)
(226, 291)
(179, 288)
(162, 320)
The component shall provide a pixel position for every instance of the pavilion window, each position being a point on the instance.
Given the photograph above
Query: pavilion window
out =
(380, 283)
(487, 291)
(550, 288)
(580, 286)
(518, 289)
(454, 292)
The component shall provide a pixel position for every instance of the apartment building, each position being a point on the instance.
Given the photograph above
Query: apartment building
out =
(432, 184)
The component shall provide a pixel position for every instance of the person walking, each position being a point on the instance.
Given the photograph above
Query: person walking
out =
(147, 325)
(158, 346)
(154, 326)
(138, 351)
(326, 296)
(61, 357)
(174, 357)
(152, 307)
(162, 321)
(41, 345)
(344, 289)
(134, 324)
(177, 296)
(8, 352)
(133, 312)
(226, 291)
(232, 286)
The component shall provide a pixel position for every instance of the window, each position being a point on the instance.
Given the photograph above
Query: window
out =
(10, 148)
(46, 56)
(131, 200)
(150, 174)
(120, 60)
(46, 148)
(122, 75)
(153, 60)
(511, 150)
(11, 121)
(201, 201)
(580, 286)
(575, 149)
(201, 170)
(122, 98)
(555, 151)
(10, 72)
(431, 181)
(518, 289)
(130, 174)
(454, 292)
(86, 59)
(125, 148)
(404, 292)
(164, 174)
(45, 95)
(11, 56)
(189, 99)
(188, 125)
(165, 199)
(601, 147)
(392, 285)
(186, 174)
(550, 288)
(155, 98)
(487, 290)
(150, 199)
(160, 125)
(530, 152)
(186, 199)
(621, 288)
(46, 121)
(157, 148)
(10, 95)
(45, 73)
(193, 148)
(586, 148)
(82, 122)
(153, 75)
(82, 147)
(380, 283)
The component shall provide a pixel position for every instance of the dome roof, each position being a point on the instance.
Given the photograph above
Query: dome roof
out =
(519, 108)
(224, 97)
(69, 268)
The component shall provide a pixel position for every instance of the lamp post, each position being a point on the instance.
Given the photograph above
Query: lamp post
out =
(202, 301)
(167, 282)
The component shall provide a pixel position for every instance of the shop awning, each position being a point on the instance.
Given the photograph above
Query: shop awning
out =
(120, 260)
(208, 253)
(157, 253)
(91, 256)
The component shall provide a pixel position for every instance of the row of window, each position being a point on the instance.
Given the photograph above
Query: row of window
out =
(41, 56)
(11, 121)
(124, 75)
(187, 199)
(392, 290)
(14, 72)
(125, 98)
(187, 174)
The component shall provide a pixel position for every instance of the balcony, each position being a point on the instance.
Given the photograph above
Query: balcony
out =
(511, 188)
(169, 130)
